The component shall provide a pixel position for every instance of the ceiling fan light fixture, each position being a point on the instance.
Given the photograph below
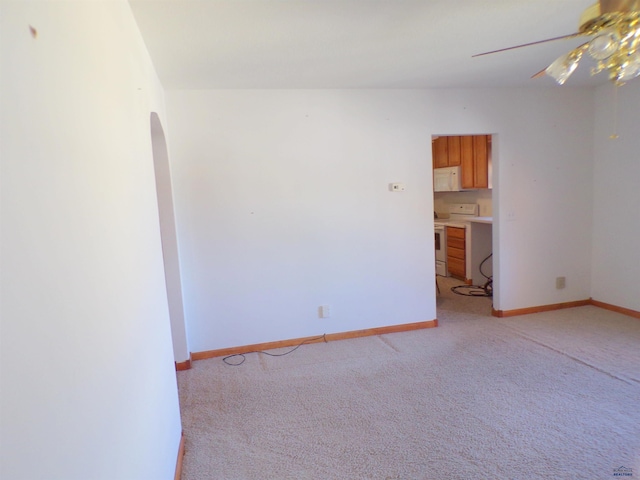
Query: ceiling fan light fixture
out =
(564, 66)
(604, 45)
(614, 28)
(629, 69)
(616, 41)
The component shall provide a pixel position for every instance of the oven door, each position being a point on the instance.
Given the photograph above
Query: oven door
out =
(441, 243)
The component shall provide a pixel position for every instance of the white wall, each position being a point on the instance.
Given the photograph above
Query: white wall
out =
(542, 203)
(616, 225)
(282, 204)
(88, 382)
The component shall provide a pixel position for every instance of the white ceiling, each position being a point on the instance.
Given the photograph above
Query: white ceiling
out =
(210, 44)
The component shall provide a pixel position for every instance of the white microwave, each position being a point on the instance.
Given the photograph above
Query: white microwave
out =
(447, 179)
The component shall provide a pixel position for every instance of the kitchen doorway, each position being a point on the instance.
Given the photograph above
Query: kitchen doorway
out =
(464, 219)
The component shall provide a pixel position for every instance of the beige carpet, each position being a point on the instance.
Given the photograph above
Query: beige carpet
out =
(544, 396)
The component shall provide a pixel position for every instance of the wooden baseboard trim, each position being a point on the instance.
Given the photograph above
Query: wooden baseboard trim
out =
(558, 306)
(329, 337)
(405, 327)
(615, 308)
(538, 309)
(186, 365)
(178, 474)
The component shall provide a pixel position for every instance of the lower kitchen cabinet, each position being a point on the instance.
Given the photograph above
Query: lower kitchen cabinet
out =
(456, 259)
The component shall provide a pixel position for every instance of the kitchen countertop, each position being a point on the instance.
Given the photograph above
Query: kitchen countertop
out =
(482, 220)
(447, 222)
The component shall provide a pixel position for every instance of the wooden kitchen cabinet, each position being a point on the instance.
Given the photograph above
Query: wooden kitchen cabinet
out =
(440, 149)
(482, 148)
(446, 152)
(456, 252)
(466, 155)
(453, 151)
(471, 152)
(475, 152)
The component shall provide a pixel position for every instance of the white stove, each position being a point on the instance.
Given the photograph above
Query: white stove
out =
(459, 213)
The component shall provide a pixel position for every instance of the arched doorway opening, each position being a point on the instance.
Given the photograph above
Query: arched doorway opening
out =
(169, 242)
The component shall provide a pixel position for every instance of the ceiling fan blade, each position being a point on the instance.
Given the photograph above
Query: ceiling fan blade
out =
(540, 74)
(572, 35)
(574, 54)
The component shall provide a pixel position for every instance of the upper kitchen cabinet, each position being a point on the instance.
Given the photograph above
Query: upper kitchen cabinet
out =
(446, 152)
(440, 152)
(471, 152)
(475, 152)
(454, 153)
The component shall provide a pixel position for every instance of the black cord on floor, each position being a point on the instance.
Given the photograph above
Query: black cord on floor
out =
(243, 358)
(485, 290)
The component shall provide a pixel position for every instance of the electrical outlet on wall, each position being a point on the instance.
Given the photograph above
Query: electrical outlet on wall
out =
(561, 282)
(324, 311)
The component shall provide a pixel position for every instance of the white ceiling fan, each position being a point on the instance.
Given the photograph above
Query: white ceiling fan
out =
(614, 26)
